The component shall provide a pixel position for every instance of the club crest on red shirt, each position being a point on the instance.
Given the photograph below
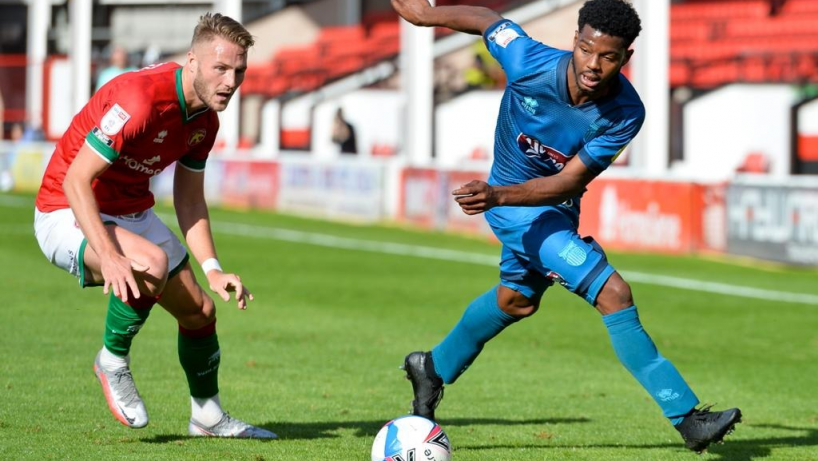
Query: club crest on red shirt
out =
(196, 137)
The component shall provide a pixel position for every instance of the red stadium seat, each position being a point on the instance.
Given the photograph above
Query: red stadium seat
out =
(714, 42)
(341, 34)
(383, 150)
(725, 9)
(754, 162)
(679, 73)
(799, 7)
(690, 30)
(779, 26)
(384, 40)
(295, 138)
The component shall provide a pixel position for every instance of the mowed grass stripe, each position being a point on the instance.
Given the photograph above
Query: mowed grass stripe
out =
(331, 241)
(400, 249)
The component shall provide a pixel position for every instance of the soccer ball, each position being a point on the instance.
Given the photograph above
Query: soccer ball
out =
(411, 438)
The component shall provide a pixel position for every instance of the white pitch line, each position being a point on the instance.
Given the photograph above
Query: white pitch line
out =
(443, 254)
(477, 258)
(345, 243)
(722, 288)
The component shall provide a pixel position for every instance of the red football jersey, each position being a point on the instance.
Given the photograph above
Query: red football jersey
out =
(138, 123)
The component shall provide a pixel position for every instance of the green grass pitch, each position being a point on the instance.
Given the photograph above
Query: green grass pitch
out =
(315, 357)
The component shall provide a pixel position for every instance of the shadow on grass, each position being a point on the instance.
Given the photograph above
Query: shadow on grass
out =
(322, 430)
(747, 450)
(732, 450)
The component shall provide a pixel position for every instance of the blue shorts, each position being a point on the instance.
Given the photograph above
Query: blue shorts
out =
(541, 246)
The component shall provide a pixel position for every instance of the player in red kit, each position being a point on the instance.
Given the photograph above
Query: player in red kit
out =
(93, 216)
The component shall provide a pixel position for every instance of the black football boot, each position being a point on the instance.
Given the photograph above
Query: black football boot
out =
(701, 427)
(426, 384)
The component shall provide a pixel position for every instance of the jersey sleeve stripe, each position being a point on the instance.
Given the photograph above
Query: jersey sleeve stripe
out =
(193, 165)
(618, 153)
(592, 164)
(99, 147)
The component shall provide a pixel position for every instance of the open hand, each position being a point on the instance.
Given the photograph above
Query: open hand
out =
(223, 284)
(118, 276)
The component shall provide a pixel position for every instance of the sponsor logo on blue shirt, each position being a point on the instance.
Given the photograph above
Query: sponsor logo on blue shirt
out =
(530, 105)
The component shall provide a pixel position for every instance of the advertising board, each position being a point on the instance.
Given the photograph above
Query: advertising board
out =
(773, 222)
(337, 190)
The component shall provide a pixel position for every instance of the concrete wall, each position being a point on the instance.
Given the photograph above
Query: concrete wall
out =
(722, 127)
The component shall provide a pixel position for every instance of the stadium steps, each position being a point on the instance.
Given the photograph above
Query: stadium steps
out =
(799, 7)
(718, 42)
(337, 52)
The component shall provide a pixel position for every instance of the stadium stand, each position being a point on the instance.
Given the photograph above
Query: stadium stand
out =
(724, 41)
(12, 77)
(337, 52)
(713, 42)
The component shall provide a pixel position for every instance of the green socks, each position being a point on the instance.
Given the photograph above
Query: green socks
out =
(122, 323)
(200, 356)
(198, 349)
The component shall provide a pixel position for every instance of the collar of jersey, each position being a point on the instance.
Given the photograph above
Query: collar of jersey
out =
(181, 95)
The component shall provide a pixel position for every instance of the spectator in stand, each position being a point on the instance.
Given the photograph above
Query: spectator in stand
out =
(477, 78)
(484, 72)
(16, 133)
(118, 65)
(343, 133)
(26, 132)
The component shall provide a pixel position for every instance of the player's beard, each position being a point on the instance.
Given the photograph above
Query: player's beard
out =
(601, 89)
(205, 95)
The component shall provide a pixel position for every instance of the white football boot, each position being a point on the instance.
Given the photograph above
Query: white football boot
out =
(121, 394)
(229, 426)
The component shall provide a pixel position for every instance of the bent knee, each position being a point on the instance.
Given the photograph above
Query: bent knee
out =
(615, 295)
(155, 278)
(199, 318)
(516, 304)
(520, 312)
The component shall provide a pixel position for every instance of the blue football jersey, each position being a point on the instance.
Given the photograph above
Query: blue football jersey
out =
(538, 129)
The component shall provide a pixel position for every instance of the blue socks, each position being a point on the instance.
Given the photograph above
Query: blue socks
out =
(482, 321)
(655, 373)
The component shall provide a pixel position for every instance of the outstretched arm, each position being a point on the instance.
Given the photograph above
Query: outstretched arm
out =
(462, 18)
(477, 196)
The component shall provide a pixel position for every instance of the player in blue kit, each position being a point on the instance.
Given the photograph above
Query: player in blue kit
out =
(564, 118)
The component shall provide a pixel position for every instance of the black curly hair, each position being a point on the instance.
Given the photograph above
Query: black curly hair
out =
(616, 18)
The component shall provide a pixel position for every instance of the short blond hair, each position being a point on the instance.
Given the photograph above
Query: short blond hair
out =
(213, 25)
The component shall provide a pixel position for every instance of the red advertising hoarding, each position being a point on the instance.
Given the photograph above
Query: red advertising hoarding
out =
(644, 215)
(622, 214)
(250, 184)
(426, 200)
(419, 196)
